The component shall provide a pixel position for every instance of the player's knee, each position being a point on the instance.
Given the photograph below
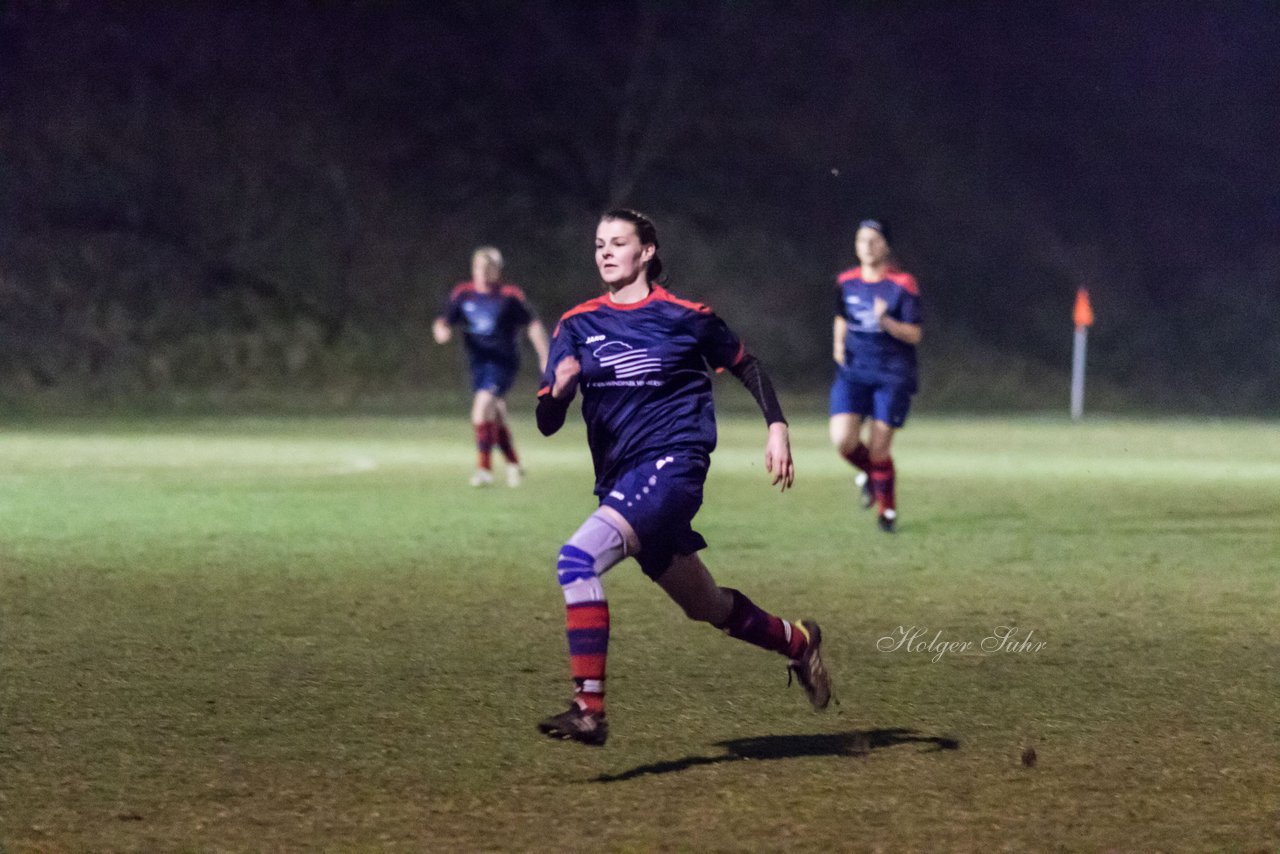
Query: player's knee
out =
(840, 434)
(482, 408)
(879, 442)
(845, 435)
(879, 451)
(595, 548)
(575, 570)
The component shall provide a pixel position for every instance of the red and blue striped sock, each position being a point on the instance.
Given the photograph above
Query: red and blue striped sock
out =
(587, 625)
(484, 445)
(860, 457)
(882, 484)
(748, 622)
(502, 437)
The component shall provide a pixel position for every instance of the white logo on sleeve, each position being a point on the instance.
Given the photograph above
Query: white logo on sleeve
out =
(626, 361)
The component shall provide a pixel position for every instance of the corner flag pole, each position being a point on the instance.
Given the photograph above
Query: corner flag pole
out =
(1083, 317)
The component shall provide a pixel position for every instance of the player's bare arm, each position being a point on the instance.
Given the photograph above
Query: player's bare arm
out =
(441, 331)
(839, 329)
(541, 343)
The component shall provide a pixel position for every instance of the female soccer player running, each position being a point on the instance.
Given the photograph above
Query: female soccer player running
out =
(877, 328)
(492, 315)
(641, 357)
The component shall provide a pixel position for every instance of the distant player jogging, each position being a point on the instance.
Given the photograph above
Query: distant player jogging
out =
(491, 315)
(642, 358)
(877, 327)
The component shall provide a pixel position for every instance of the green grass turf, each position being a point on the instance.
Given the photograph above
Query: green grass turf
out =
(306, 634)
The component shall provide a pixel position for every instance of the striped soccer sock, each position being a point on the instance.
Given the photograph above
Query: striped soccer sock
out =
(587, 627)
(748, 622)
(502, 436)
(484, 445)
(882, 484)
(860, 457)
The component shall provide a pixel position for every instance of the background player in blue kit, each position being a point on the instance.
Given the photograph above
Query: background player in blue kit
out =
(642, 358)
(491, 314)
(877, 328)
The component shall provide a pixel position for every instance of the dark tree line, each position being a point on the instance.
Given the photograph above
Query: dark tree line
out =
(266, 196)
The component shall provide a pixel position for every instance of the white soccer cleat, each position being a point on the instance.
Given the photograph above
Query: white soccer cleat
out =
(482, 477)
(515, 476)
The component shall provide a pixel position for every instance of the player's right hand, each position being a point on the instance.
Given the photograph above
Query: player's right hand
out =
(777, 456)
(568, 370)
(441, 331)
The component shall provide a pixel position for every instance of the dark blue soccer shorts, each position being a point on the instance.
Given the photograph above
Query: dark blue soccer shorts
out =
(495, 377)
(660, 498)
(887, 402)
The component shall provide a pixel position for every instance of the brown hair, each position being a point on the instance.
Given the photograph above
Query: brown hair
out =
(645, 230)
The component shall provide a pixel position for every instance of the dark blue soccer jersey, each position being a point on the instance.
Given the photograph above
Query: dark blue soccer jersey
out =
(491, 321)
(871, 354)
(646, 384)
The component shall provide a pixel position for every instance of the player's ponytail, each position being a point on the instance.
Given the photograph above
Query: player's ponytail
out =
(647, 233)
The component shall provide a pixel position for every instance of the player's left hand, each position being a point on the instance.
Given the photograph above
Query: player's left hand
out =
(879, 306)
(568, 370)
(777, 456)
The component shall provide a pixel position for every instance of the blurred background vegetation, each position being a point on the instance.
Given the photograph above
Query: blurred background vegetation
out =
(265, 204)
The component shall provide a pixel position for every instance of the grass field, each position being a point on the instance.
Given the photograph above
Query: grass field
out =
(307, 634)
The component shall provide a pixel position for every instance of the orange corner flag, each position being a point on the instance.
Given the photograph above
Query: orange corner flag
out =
(1084, 312)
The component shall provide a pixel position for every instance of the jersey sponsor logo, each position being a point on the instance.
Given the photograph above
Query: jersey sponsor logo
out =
(627, 362)
(862, 314)
(478, 322)
(594, 338)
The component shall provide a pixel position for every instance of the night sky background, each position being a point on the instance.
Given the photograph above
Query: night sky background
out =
(261, 198)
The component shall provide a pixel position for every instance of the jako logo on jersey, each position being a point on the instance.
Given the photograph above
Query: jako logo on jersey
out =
(594, 338)
(625, 360)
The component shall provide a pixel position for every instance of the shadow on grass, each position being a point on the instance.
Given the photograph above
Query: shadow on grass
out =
(852, 743)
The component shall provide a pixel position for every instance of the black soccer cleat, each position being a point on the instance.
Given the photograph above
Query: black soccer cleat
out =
(866, 498)
(809, 670)
(888, 521)
(576, 725)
